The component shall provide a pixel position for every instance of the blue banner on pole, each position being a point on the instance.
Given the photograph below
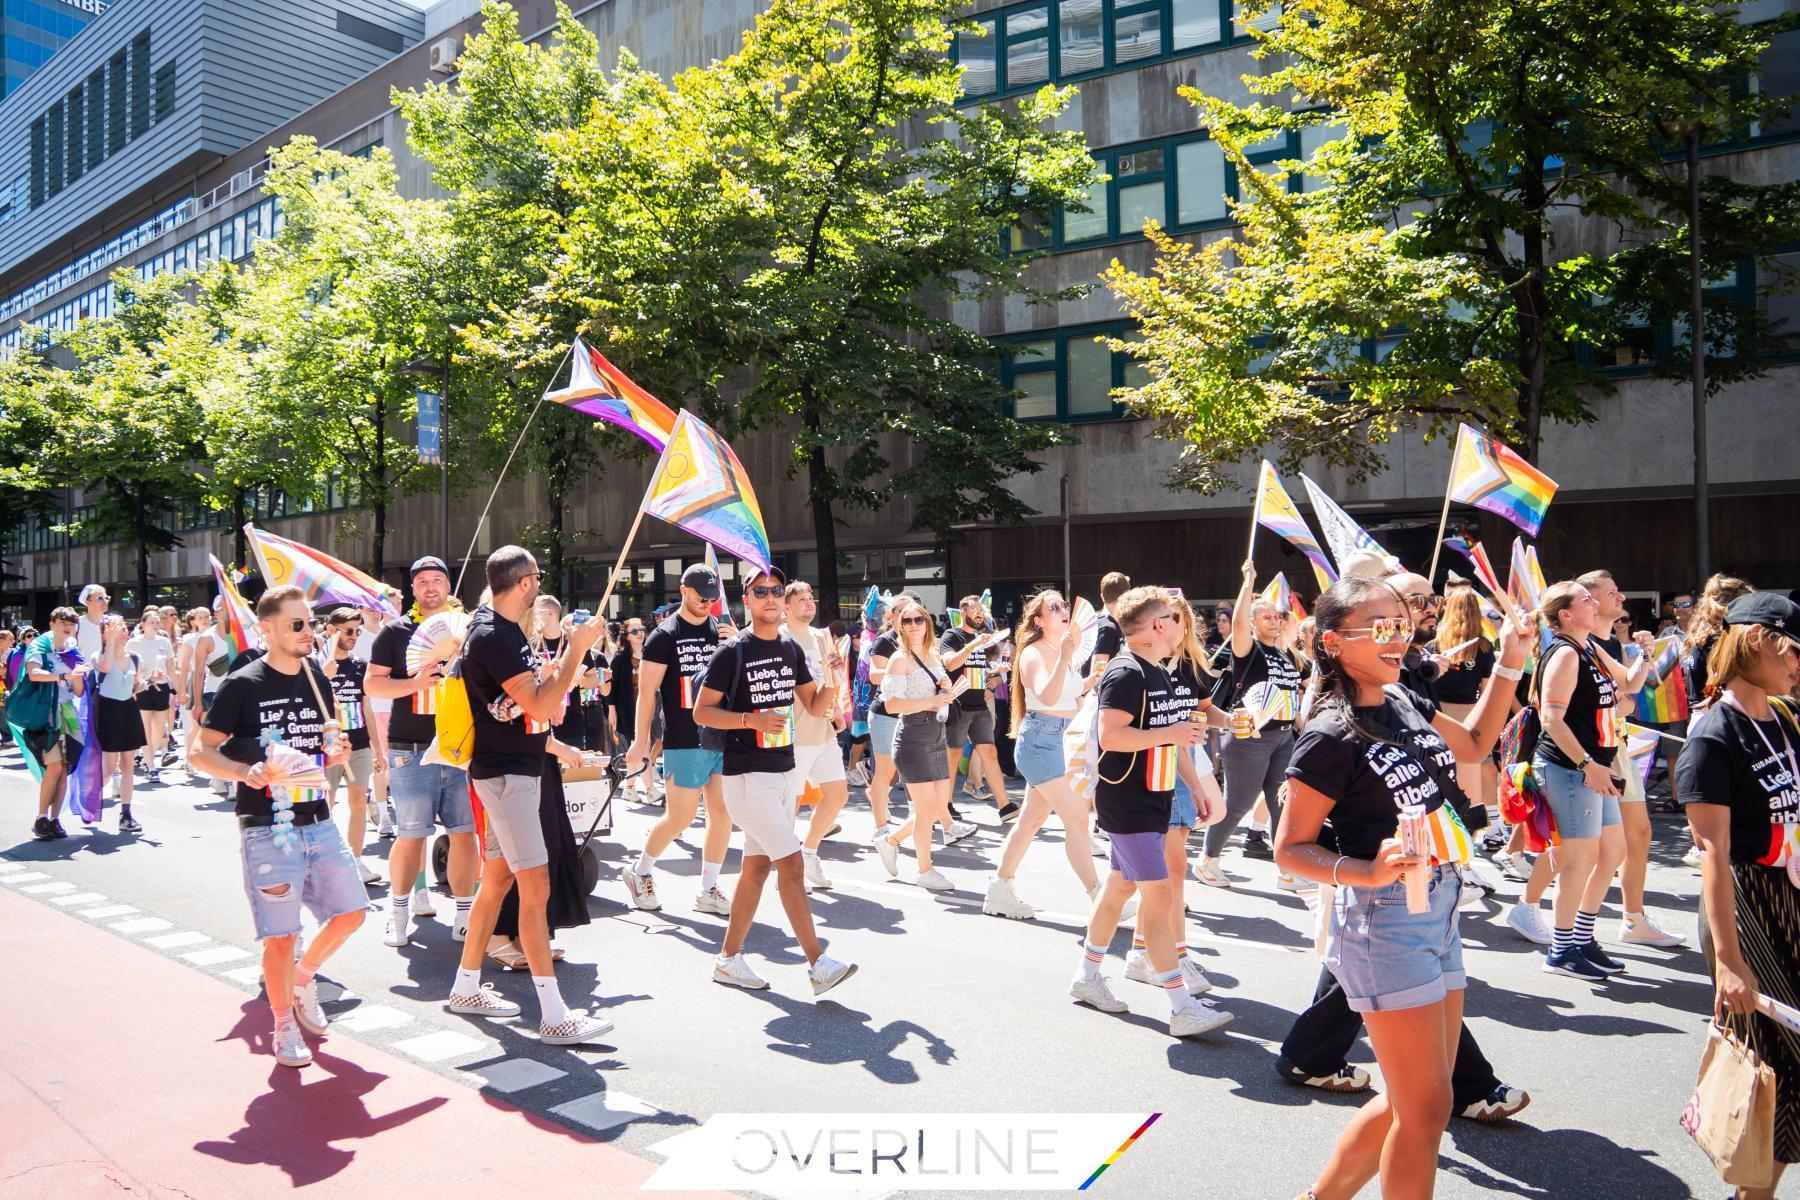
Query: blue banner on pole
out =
(430, 422)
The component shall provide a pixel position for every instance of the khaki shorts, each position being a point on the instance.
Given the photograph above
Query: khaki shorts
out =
(514, 832)
(358, 770)
(762, 805)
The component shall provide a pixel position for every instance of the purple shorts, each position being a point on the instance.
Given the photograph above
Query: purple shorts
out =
(1139, 856)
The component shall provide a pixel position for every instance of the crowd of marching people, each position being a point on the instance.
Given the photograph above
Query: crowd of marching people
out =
(1373, 749)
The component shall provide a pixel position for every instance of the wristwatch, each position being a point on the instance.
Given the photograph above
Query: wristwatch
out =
(1583, 764)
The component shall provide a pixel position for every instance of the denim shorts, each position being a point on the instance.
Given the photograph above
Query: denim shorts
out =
(1183, 812)
(693, 768)
(315, 869)
(1386, 958)
(1580, 811)
(427, 795)
(881, 734)
(1038, 750)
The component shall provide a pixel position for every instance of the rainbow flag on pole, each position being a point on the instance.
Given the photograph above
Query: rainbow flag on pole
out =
(1461, 546)
(1484, 570)
(324, 579)
(700, 486)
(1663, 697)
(1282, 596)
(1524, 580)
(1640, 749)
(1491, 476)
(601, 390)
(1275, 511)
(236, 620)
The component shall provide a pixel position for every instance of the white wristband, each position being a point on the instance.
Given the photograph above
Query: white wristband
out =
(1513, 673)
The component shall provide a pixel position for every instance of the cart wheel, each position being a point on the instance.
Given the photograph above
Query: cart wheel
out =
(440, 859)
(590, 870)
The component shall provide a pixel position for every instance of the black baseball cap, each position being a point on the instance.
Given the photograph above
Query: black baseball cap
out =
(1771, 610)
(430, 562)
(701, 580)
(775, 573)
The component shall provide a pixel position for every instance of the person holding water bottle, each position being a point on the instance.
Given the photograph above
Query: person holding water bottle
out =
(1369, 756)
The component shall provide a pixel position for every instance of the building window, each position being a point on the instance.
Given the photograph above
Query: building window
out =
(140, 84)
(55, 142)
(96, 118)
(77, 159)
(975, 54)
(1027, 43)
(164, 91)
(390, 40)
(115, 103)
(1067, 376)
(40, 162)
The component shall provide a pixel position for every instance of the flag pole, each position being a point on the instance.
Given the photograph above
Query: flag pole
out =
(1443, 520)
(1255, 513)
(501, 478)
(618, 567)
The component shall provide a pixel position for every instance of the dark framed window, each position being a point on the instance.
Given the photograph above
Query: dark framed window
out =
(55, 138)
(77, 155)
(1067, 375)
(96, 118)
(116, 106)
(140, 84)
(163, 90)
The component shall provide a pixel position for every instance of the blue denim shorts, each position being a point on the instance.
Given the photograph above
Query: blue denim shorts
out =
(1387, 958)
(881, 734)
(1038, 750)
(693, 768)
(315, 869)
(1184, 813)
(427, 795)
(1580, 811)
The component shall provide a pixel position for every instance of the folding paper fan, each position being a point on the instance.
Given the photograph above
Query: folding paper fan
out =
(1087, 623)
(294, 769)
(438, 636)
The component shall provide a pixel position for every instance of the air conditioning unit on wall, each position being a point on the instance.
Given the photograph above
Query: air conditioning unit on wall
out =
(443, 55)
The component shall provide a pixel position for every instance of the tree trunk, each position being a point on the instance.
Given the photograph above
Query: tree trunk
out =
(240, 545)
(143, 549)
(379, 476)
(824, 523)
(1533, 309)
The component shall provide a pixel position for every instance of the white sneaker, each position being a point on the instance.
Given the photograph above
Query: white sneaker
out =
(1209, 873)
(1197, 1018)
(857, 776)
(1198, 983)
(1293, 883)
(815, 874)
(290, 1047)
(889, 852)
(574, 1029)
(1003, 901)
(1139, 970)
(957, 832)
(828, 972)
(307, 1010)
(1096, 994)
(642, 889)
(367, 876)
(1528, 923)
(1646, 933)
(484, 1002)
(459, 926)
(1469, 896)
(421, 904)
(386, 828)
(399, 930)
(934, 881)
(1692, 857)
(736, 972)
(713, 901)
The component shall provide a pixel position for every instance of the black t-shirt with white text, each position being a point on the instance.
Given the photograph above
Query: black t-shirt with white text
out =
(412, 718)
(1590, 715)
(347, 689)
(1134, 791)
(1190, 688)
(507, 742)
(754, 674)
(683, 649)
(884, 646)
(1367, 780)
(1726, 763)
(1263, 668)
(256, 698)
(975, 667)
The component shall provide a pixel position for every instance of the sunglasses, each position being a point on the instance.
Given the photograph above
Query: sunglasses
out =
(1056, 607)
(634, 633)
(1425, 603)
(1382, 629)
(295, 625)
(1681, 604)
(912, 620)
(771, 591)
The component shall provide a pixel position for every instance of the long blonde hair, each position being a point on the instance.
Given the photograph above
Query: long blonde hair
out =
(1708, 620)
(1191, 651)
(1460, 622)
(1028, 631)
(901, 606)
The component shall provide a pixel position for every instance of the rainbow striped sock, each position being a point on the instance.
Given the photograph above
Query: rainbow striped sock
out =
(1173, 988)
(1137, 942)
(1181, 952)
(1091, 957)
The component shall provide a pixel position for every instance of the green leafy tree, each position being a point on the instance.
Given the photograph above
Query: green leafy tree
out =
(1463, 145)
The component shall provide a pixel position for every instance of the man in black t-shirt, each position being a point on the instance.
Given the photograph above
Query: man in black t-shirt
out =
(1145, 745)
(425, 795)
(347, 674)
(964, 650)
(513, 702)
(748, 694)
(292, 851)
(1109, 639)
(675, 656)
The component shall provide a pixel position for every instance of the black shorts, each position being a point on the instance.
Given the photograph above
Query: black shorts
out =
(975, 725)
(119, 726)
(154, 698)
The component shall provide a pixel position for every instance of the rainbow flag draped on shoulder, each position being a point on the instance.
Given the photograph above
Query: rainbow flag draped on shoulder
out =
(324, 579)
(601, 390)
(700, 486)
(236, 620)
(1491, 476)
(1663, 697)
(1275, 511)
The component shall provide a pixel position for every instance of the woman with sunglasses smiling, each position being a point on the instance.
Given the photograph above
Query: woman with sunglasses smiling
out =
(1369, 747)
(1265, 678)
(916, 689)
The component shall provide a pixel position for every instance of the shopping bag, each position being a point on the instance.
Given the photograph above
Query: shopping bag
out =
(1731, 1115)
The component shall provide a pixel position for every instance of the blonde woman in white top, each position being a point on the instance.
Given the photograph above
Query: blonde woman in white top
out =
(916, 689)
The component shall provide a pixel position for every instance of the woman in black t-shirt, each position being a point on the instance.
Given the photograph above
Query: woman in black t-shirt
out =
(1265, 678)
(1739, 777)
(623, 699)
(1462, 670)
(1369, 747)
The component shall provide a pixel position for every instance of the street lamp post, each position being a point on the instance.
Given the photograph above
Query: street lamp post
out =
(1697, 339)
(425, 367)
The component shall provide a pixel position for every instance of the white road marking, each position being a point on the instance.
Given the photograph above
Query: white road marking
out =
(365, 1018)
(605, 1110)
(143, 925)
(444, 1044)
(175, 941)
(514, 1074)
(212, 956)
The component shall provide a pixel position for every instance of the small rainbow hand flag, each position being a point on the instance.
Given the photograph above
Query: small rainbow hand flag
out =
(1640, 749)
(1484, 570)
(1522, 579)
(236, 620)
(601, 390)
(1275, 511)
(700, 486)
(324, 579)
(1491, 476)
(1461, 546)
(1279, 593)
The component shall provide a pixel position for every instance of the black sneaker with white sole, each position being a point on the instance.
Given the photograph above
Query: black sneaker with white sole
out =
(1498, 1105)
(43, 830)
(1345, 1078)
(1574, 963)
(1591, 951)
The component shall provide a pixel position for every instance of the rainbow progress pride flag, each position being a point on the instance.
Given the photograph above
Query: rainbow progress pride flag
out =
(236, 620)
(700, 486)
(601, 390)
(1275, 511)
(1524, 579)
(324, 579)
(1491, 476)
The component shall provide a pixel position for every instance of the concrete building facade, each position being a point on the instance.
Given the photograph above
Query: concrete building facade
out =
(1627, 477)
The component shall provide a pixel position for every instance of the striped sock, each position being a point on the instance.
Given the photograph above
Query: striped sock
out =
(1181, 952)
(1174, 989)
(1584, 928)
(1090, 960)
(1561, 940)
(400, 906)
(463, 905)
(1137, 943)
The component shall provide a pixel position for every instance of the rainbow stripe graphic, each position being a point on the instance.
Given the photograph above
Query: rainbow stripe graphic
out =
(1524, 580)
(690, 690)
(700, 486)
(601, 390)
(1491, 476)
(1640, 749)
(1159, 769)
(1484, 570)
(324, 579)
(1666, 702)
(1119, 1153)
(1275, 511)
(236, 621)
(783, 738)
(1450, 841)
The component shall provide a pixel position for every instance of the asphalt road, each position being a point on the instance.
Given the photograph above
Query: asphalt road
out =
(953, 1011)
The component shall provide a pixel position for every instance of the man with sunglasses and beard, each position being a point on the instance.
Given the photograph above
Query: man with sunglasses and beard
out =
(293, 853)
(1316, 1051)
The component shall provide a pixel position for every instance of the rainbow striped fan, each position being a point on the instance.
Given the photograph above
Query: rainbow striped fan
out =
(294, 769)
(437, 637)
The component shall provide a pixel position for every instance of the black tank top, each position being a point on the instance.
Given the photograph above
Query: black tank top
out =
(1590, 715)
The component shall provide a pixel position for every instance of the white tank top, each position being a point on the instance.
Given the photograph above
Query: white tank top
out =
(1068, 698)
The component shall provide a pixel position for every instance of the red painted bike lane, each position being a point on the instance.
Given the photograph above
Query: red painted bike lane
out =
(125, 1073)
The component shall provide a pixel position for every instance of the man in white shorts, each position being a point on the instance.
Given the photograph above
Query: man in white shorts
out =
(748, 694)
(817, 757)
